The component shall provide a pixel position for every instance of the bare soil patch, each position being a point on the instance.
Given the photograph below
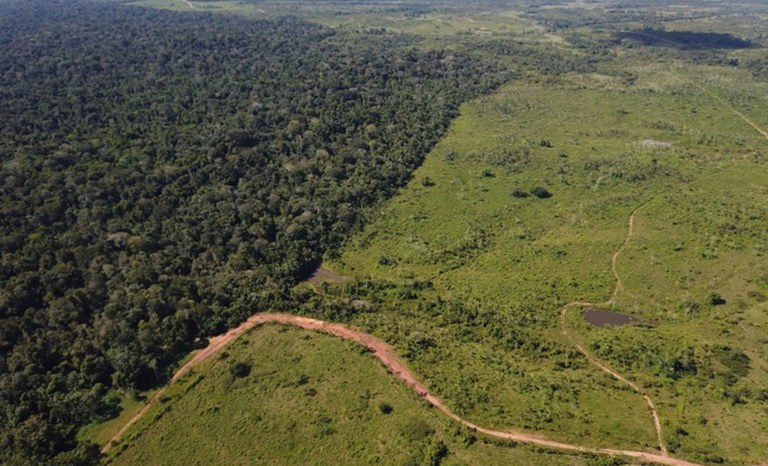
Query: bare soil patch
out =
(656, 144)
(323, 275)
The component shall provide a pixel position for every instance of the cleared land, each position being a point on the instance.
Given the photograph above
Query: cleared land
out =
(470, 236)
(324, 403)
(384, 353)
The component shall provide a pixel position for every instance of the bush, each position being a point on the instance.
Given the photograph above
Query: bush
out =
(385, 408)
(541, 193)
(715, 299)
(416, 429)
(519, 193)
(240, 369)
(436, 452)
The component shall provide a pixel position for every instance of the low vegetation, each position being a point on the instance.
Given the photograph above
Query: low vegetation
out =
(329, 401)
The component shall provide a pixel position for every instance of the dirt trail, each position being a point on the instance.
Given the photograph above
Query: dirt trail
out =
(388, 358)
(724, 103)
(600, 365)
(615, 259)
(620, 287)
(592, 358)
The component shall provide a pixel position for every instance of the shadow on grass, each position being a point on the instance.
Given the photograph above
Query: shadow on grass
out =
(685, 40)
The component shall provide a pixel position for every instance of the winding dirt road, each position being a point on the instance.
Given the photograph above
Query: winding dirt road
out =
(389, 358)
(384, 352)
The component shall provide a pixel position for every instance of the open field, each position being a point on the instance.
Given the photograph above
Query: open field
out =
(467, 234)
(330, 403)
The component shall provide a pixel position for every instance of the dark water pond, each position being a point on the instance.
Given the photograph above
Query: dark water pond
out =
(600, 318)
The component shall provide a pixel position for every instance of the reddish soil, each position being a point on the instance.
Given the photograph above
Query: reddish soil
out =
(387, 356)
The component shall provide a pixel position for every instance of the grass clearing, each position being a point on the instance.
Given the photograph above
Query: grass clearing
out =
(468, 225)
(306, 398)
(467, 269)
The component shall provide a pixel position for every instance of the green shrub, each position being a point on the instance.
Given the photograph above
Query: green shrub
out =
(519, 193)
(240, 369)
(416, 429)
(541, 193)
(715, 299)
(385, 408)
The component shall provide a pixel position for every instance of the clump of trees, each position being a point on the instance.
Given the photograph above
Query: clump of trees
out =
(164, 175)
(541, 193)
(240, 369)
(537, 191)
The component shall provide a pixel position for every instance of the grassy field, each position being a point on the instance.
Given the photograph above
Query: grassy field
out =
(101, 433)
(308, 398)
(595, 144)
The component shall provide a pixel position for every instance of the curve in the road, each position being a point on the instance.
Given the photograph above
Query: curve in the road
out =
(389, 358)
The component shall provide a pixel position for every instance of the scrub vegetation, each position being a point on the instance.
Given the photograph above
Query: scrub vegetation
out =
(329, 401)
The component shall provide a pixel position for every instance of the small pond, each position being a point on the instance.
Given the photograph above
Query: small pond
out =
(599, 318)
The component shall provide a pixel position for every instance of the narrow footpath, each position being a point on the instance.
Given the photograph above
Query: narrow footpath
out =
(597, 362)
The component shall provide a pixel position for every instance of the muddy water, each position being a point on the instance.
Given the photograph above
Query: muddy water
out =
(600, 318)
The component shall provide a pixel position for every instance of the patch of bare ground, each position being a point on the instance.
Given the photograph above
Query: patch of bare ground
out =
(323, 275)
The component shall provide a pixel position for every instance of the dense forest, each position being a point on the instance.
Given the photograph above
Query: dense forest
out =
(165, 174)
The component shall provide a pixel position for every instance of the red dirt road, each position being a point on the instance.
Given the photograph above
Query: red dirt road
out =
(389, 358)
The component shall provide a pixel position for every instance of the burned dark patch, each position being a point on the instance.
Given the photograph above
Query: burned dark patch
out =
(684, 40)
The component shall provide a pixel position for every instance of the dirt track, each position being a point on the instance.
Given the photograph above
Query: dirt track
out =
(724, 103)
(388, 357)
(592, 358)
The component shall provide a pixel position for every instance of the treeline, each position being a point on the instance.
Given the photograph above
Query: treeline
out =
(166, 174)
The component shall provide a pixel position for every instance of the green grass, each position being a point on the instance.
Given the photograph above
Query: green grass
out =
(465, 233)
(597, 169)
(309, 398)
(102, 432)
